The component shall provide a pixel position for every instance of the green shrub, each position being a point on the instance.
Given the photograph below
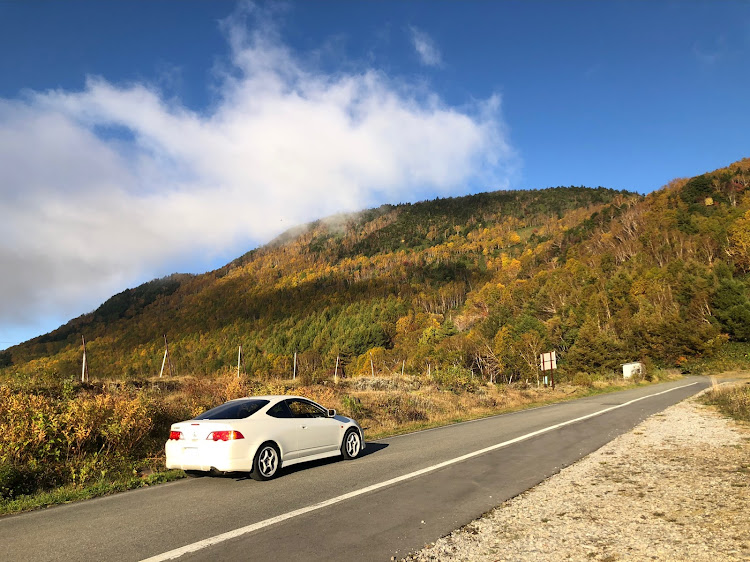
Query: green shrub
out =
(15, 481)
(456, 379)
(48, 441)
(583, 379)
(352, 407)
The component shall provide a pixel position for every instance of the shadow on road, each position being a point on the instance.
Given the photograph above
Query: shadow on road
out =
(370, 449)
(373, 448)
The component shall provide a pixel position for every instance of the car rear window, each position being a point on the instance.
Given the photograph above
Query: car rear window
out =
(235, 410)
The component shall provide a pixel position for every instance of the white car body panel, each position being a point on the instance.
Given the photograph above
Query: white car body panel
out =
(319, 435)
(298, 439)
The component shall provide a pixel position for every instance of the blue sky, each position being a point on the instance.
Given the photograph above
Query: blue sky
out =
(142, 138)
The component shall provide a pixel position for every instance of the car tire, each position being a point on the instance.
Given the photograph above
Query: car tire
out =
(351, 446)
(266, 463)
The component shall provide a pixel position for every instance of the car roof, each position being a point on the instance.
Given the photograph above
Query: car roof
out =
(272, 397)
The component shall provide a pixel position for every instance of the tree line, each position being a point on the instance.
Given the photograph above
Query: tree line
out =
(476, 287)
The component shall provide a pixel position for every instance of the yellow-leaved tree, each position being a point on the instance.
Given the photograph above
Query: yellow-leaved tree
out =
(739, 242)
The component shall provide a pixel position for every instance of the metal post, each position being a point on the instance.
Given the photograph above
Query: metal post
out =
(167, 357)
(552, 376)
(294, 375)
(239, 358)
(163, 361)
(85, 366)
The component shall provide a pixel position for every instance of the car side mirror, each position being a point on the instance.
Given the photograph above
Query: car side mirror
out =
(331, 413)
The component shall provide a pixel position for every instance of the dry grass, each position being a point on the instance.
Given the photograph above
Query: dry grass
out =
(732, 399)
(98, 436)
(395, 405)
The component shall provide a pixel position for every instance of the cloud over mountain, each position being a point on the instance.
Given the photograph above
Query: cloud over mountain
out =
(105, 186)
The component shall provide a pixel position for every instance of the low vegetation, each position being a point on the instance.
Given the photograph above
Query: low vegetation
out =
(73, 441)
(732, 400)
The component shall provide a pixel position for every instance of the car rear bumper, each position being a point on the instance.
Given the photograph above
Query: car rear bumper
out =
(226, 457)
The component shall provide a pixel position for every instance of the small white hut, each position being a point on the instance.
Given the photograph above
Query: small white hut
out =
(629, 370)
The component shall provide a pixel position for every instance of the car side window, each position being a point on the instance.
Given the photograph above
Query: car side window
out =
(303, 409)
(280, 410)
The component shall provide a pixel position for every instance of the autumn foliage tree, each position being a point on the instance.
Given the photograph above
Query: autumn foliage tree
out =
(482, 283)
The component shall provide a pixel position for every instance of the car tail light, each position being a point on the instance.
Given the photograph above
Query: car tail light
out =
(224, 435)
(175, 435)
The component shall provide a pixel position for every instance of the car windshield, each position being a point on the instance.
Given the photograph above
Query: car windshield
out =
(234, 410)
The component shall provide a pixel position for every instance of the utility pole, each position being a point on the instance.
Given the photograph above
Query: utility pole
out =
(163, 361)
(85, 366)
(167, 359)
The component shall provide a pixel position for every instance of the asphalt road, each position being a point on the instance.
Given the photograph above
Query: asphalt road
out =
(404, 493)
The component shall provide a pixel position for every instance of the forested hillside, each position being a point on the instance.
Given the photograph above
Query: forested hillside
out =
(469, 288)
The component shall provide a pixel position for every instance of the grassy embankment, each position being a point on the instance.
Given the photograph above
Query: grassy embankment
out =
(732, 400)
(733, 362)
(62, 443)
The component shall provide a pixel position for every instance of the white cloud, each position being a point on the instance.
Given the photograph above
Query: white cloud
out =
(428, 52)
(117, 183)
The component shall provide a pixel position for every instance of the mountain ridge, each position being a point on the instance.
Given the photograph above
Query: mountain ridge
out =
(435, 282)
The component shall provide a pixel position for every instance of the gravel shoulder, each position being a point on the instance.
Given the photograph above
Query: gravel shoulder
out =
(677, 487)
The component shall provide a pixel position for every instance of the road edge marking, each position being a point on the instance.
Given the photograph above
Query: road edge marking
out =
(205, 543)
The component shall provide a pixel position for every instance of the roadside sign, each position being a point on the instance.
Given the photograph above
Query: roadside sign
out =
(548, 361)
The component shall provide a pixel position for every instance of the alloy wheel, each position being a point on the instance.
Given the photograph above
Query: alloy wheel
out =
(353, 444)
(268, 461)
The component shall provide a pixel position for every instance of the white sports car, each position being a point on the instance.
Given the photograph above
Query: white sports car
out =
(260, 434)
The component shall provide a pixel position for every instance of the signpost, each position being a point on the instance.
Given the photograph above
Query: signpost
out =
(548, 362)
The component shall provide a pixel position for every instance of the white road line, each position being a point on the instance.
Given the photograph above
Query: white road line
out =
(194, 547)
